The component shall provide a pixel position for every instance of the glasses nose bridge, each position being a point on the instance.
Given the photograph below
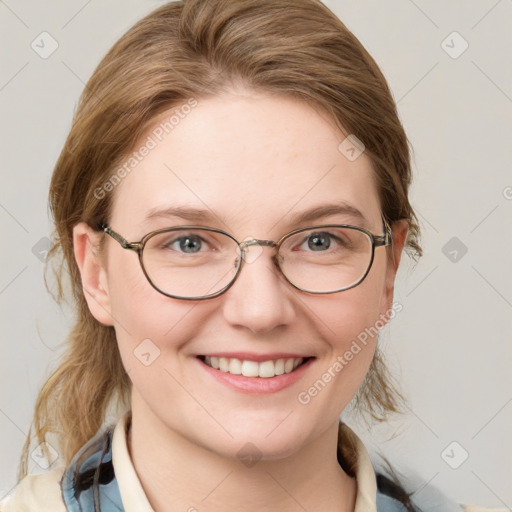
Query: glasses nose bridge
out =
(245, 244)
(256, 241)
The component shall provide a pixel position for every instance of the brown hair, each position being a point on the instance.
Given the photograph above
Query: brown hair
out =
(192, 49)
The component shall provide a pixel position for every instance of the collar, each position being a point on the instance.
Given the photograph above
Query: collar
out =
(135, 500)
(101, 476)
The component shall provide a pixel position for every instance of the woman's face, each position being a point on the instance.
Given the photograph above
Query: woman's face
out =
(252, 164)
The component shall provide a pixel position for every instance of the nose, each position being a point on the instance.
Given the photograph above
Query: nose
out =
(260, 299)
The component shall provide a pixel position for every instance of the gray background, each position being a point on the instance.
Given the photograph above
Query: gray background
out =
(450, 346)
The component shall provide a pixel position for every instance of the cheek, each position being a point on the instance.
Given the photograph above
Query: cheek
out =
(343, 317)
(143, 317)
(351, 329)
(349, 322)
(151, 332)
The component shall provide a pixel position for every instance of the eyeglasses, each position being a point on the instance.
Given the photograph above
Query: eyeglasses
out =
(198, 262)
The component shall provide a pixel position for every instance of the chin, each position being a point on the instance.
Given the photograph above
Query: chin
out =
(266, 440)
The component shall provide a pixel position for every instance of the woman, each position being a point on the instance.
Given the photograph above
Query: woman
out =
(231, 207)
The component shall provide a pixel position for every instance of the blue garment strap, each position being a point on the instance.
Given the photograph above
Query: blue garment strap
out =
(388, 504)
(89, 483)
(419, 495)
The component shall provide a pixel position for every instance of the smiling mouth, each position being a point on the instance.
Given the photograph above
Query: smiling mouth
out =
(247, 368)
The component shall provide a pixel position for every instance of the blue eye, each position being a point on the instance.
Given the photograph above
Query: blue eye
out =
(187, 244)
(319, 241)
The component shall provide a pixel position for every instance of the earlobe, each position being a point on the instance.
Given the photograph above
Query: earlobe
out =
(86, 246)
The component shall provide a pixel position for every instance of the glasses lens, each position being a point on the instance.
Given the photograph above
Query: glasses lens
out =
(190, 262)
(326, 259)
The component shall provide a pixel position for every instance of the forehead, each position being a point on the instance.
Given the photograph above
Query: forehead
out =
(252, 162)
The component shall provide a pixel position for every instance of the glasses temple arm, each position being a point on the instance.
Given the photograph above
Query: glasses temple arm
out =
(124, 243)
(387, 238)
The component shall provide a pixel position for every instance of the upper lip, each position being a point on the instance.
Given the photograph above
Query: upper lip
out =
(249, 356)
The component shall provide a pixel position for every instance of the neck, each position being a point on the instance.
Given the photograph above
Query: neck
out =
(177, 474)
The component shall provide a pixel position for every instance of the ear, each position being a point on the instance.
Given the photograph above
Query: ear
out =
(400, 230)
(90, 261)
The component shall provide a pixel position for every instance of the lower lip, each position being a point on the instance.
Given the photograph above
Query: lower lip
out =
(257, 385)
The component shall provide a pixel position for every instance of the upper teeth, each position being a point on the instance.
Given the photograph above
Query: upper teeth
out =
(253, 368)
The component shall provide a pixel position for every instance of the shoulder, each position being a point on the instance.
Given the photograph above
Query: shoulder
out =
(36, 493)
(73, 487)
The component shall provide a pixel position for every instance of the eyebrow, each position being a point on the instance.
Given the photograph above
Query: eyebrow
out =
(312, 214)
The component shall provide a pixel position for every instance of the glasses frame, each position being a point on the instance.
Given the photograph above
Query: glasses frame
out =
(376, 241)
